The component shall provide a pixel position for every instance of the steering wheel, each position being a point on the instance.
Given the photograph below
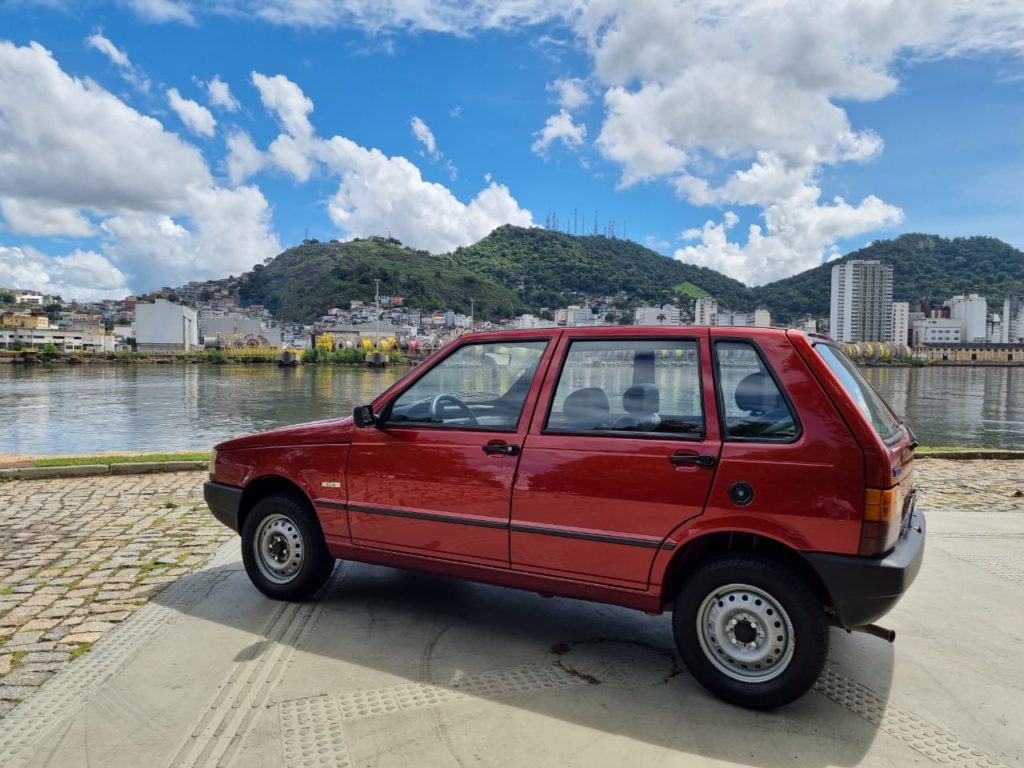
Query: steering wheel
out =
(437, 407)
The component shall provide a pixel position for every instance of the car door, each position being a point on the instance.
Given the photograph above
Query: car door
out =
(623, 449)
(434, 477)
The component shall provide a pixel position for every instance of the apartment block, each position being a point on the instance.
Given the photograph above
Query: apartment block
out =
(861, 302)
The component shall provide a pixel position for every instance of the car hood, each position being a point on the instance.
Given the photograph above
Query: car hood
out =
(331, 431)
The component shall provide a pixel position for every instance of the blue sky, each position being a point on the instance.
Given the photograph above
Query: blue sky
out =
(718, 133)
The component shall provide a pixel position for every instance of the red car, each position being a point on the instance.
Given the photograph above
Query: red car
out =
(749, 480)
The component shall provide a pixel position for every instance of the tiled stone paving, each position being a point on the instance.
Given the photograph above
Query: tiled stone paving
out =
(78, 556)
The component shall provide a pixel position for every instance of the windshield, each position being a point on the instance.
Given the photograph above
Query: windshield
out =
(862, 393)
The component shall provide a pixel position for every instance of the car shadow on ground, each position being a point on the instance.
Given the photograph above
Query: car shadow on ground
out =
(375, 626)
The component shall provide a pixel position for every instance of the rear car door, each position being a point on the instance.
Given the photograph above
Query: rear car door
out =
(435, 476)
(622, 450)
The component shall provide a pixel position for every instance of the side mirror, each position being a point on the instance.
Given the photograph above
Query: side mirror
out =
(363, 416)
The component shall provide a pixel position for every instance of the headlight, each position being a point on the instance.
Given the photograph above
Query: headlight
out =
(213, 462)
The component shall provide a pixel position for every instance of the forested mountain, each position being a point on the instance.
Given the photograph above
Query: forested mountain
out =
(512, 270)
(516, 269)
(924, 268)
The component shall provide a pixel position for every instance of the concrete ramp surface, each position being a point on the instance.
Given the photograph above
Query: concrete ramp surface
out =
(390, 668)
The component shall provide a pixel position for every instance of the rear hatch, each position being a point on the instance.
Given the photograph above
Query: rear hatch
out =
(888, 454)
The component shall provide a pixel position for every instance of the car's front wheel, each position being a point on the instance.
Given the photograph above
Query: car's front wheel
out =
(751, 631)
(283, 549)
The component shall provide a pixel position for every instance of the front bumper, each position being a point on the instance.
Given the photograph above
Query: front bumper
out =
(224, 501)
(864, 589)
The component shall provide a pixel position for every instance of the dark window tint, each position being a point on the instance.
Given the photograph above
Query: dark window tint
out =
(629, 388)
(752, 404)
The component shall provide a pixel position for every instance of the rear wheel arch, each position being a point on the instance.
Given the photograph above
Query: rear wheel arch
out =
(698, 551)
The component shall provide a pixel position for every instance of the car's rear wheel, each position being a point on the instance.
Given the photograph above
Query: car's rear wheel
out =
(751, 631)
(283, 549)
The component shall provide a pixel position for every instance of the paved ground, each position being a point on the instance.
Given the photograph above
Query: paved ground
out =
(79, 556)
(389, 668)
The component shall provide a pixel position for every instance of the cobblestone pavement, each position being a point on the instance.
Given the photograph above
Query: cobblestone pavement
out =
(78, 556)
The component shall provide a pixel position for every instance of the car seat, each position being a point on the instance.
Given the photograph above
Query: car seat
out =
(641, 403)
(587, 409)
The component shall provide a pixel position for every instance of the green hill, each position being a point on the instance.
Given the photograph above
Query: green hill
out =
(925, 267)
(304, 282)
(516, 269)
(553, 269)
(512, 270)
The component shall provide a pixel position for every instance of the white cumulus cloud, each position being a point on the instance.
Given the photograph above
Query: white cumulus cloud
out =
(120, 59)
(193, 114)
(559, 127)
(82, 275)
(75, 158)
(162, 10)
(218, 93)
(378, 193)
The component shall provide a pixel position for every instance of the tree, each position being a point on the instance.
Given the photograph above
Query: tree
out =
(6, 297)
(661, 318)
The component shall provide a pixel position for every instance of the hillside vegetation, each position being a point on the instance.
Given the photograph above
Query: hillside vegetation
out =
(516, 269)
(924, 268)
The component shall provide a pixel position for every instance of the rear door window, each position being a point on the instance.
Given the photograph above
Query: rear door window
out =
(860, 391)
(753, 406)
(629, 388)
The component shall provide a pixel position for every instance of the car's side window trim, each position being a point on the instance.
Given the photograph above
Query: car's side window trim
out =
(385, 414)
(623, 434)
(720, 395)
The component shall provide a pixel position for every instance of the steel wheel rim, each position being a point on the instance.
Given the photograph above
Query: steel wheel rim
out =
(745, 633)
(278, 548)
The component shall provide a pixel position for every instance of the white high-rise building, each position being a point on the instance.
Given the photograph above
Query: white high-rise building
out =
(973, 311)
(704, 310)
(861, 308)
(1013, 320)
(900, 322)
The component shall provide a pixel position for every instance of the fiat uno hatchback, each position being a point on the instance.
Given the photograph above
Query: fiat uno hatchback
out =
(749, 480)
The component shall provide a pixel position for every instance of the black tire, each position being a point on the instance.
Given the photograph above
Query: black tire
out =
(750, 631)
(283, 549)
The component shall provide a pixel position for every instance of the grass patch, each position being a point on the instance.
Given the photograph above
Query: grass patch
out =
(81, 649)
(70, 461)
(691, 290)
(16, 658)
(8, 590)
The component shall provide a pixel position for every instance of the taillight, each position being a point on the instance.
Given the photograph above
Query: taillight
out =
(882, 508)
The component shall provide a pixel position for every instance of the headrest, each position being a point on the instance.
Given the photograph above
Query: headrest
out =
(641, 399)
(757, 394)
(586, 408)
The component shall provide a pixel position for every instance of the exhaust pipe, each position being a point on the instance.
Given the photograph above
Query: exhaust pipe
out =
(889, 635)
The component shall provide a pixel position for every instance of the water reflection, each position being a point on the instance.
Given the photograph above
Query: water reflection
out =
(88, 409)
(980, 407)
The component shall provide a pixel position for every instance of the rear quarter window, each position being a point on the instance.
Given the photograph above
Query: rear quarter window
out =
(860, 391)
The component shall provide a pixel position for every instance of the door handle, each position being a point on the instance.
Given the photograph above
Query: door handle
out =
(690, 459)
(503, 449)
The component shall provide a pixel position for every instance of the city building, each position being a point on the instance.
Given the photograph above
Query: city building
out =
(165, 328)
(664, 315)
(525, 322)
(861, 304)
(973, 311)
(938, 330)
(1013, 320)
(760, 318)
(900, 322)
(704, 310)
(574, 315)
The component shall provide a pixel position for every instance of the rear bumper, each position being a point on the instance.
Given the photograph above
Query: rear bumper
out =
(224, 501)
(864, 589)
